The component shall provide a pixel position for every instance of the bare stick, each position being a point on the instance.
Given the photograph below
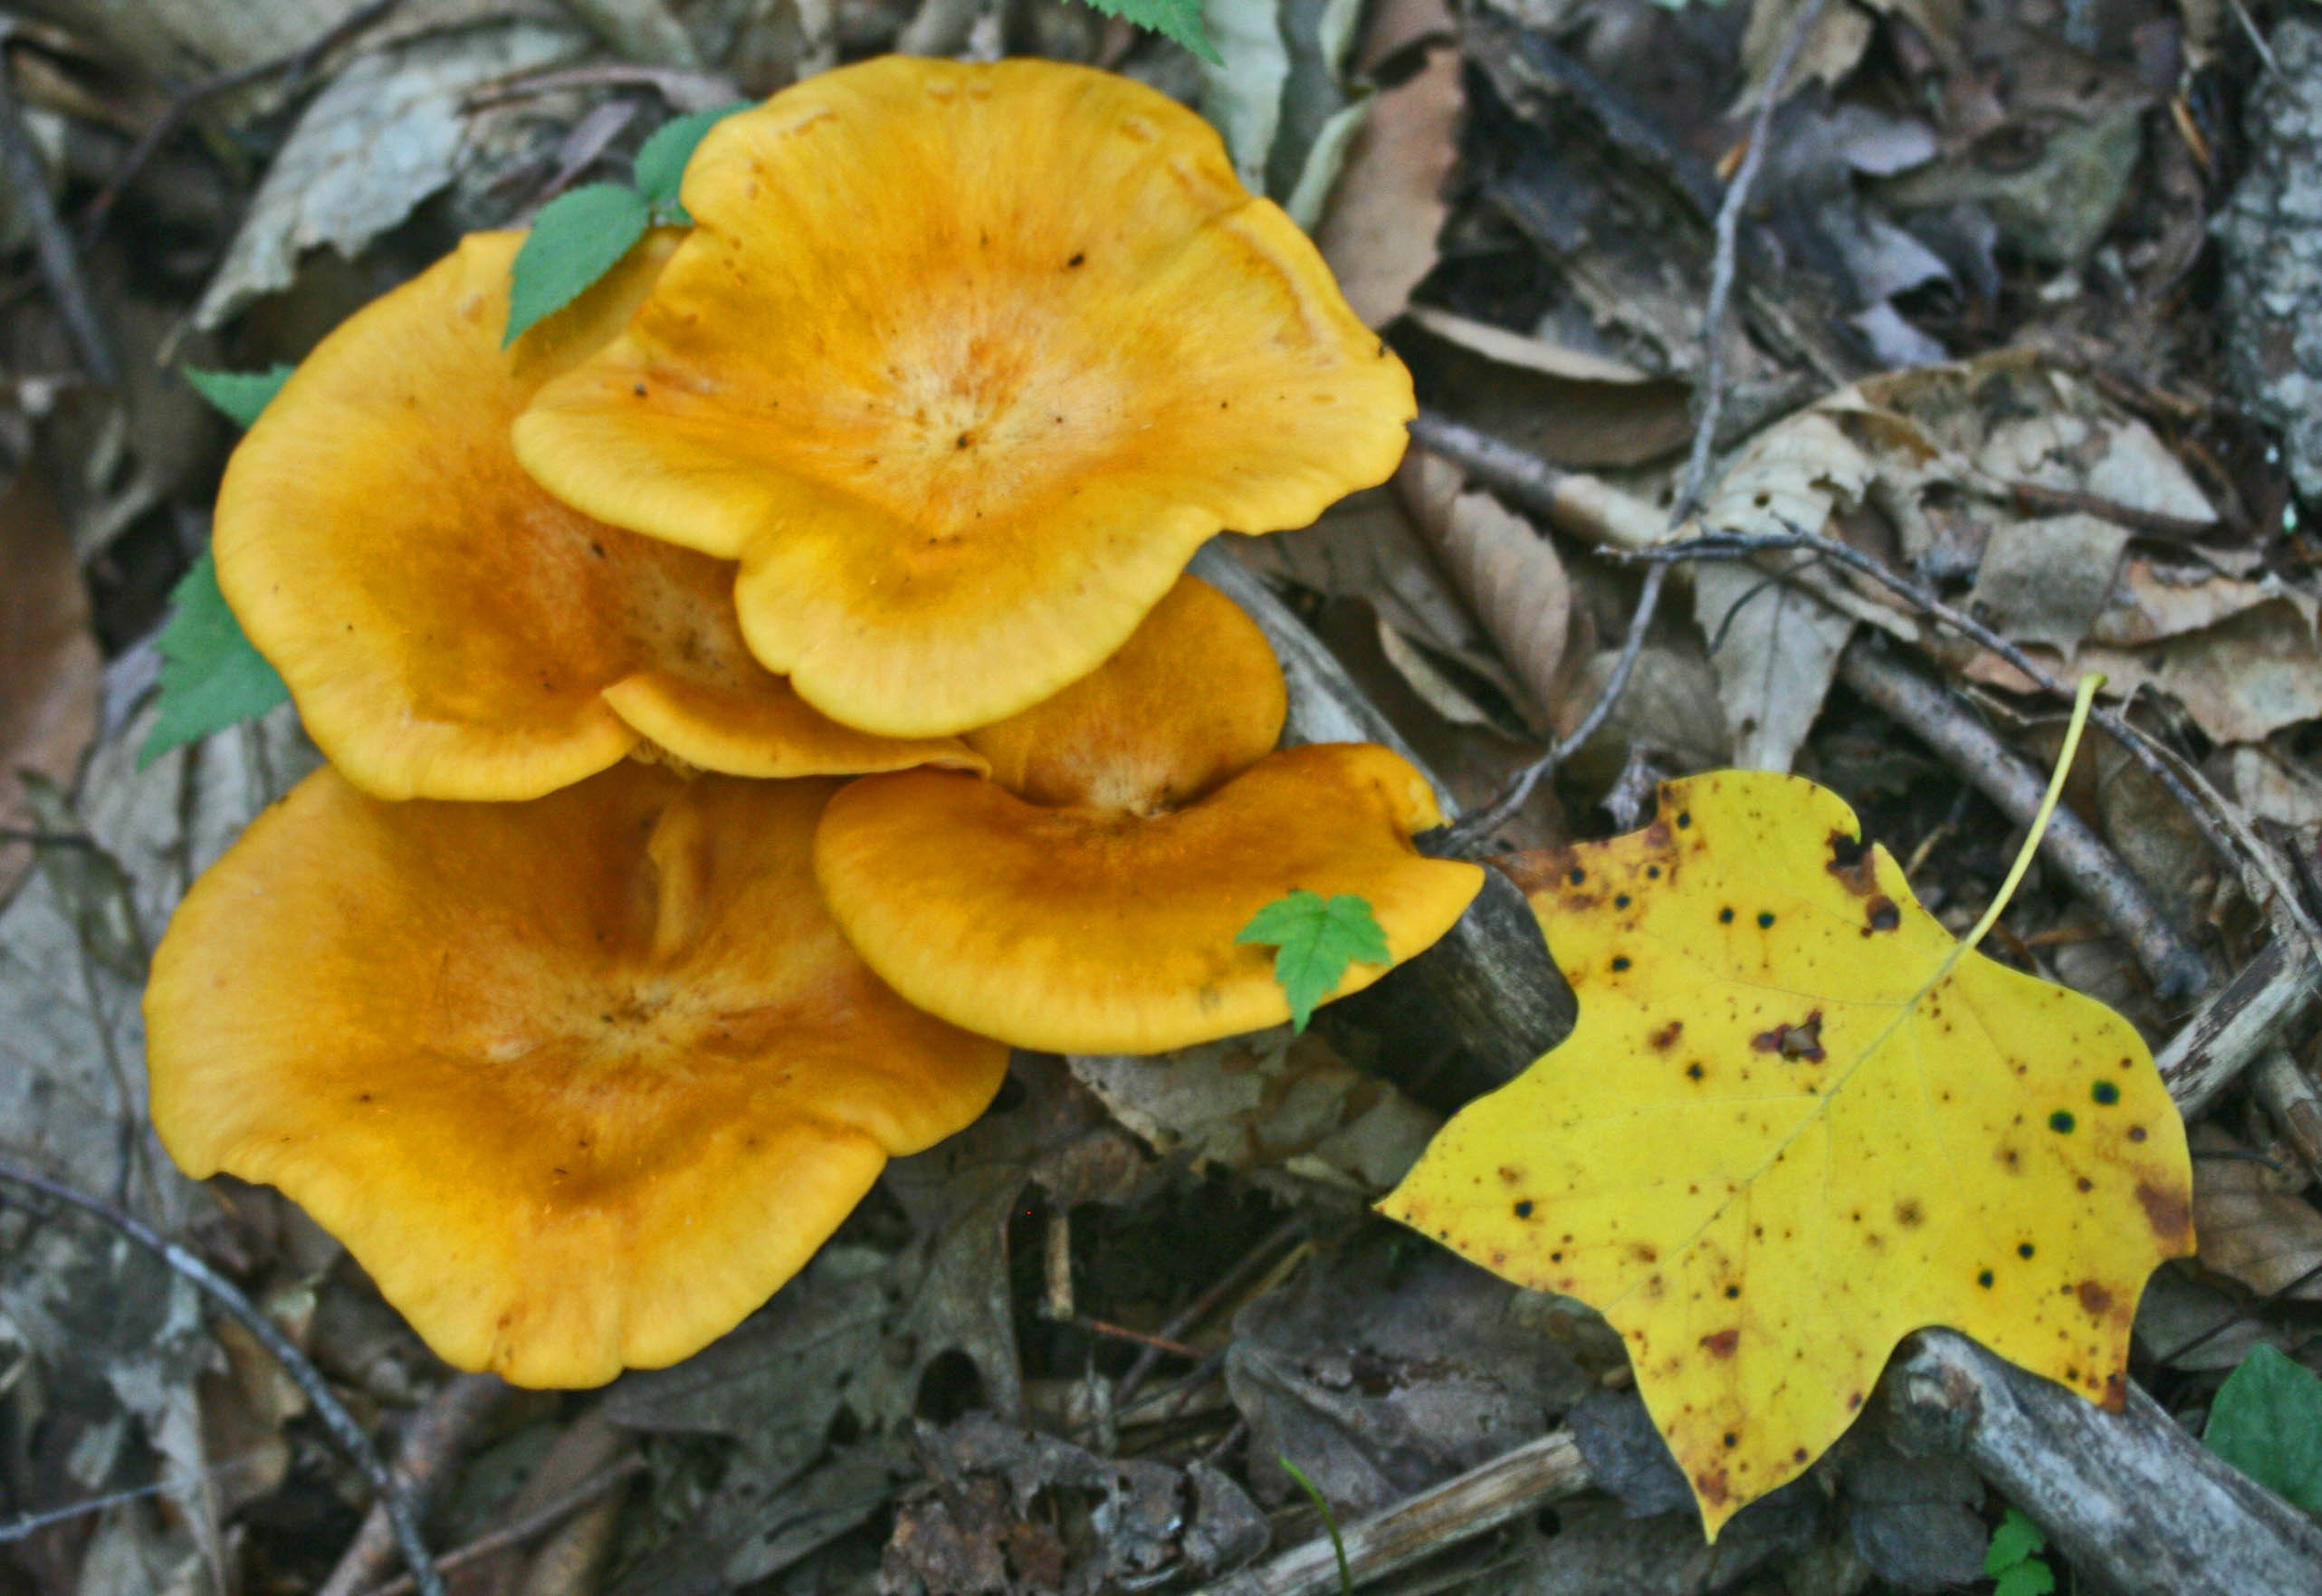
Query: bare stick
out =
(436, 1434)
(295, 64)
(60, 264)
(1711, 391)
(2227, 1033)
(2095, 871)
(1507, 1488)
(532, 1524)
(2138, 1505)
(229, 1299)
(1473, 834)
(2227, 834)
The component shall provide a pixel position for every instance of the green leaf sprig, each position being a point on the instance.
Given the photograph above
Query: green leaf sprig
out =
(1172, 19)
(212, 677)
(2014, 1560)
(2267, 1422)
(583, 233)
(1314, 940)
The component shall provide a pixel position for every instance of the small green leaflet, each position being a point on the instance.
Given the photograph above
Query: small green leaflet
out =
(2267, 1422)
(661, 164)
(211, 676)
(583, 233)
(239, 395)
(578, 237)
(1314, 941)
(1172, 19)
(2013, 1558)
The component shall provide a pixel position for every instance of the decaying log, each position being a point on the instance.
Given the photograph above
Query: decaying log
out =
(2137, 1505)
(1472, 1012)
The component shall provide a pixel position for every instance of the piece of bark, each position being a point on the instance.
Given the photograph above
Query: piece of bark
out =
(1480, 1006)
(2137, 1505)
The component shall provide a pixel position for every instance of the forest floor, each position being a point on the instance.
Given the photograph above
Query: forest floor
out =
(2019, 313)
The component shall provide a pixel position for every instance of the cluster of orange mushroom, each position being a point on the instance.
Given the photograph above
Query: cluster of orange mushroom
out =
(765, 692)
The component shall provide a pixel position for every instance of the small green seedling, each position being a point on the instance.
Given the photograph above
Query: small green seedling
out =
(1314, 940)
(583, 233)
(2014, 1560)
(1330, 1521)
(2267, 1422)
(211, 676)
(1172, 19)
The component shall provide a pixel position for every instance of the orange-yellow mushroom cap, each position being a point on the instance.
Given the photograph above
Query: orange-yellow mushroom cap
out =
(962, 363)
(448, 629)
(1100, 916)
(579, 1081)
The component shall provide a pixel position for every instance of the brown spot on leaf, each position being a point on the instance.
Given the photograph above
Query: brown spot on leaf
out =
(1802, 1040)
(1665, 1037)
(1850, 861)
(2094, 1298)
(2168, 1213)
(1722, 1343)
(1907, 1214)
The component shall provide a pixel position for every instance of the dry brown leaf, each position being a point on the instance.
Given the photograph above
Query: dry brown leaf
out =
(2152, 600)
(1509, 574)
(51, 674)
(2253, 1225)
(2241, 680)
(1379, 235)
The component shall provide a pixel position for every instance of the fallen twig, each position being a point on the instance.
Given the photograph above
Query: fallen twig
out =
(59, 263)
(295, 64)
(334, 1415)
(1507, 1488)
(1936, 717)
(532, 1524)
(1473, 834)
(2227, 834)
(437, 1433)
(2234, 1026)
(2138, 1505)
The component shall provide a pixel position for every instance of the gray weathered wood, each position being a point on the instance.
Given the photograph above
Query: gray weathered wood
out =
(2137, 1505)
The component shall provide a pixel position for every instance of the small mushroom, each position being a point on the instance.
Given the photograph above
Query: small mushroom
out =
(579, 1081)
(447, 628)
(1086, 899)
(962, 363)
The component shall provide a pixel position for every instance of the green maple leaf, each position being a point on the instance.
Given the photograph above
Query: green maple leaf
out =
(1314, 940)
(1172, 19)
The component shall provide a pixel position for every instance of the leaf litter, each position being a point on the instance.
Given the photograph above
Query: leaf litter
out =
(1524, 210)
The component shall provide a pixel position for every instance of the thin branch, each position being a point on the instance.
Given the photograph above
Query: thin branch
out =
(295, 65)
(1507, 1488)
(1711, 387)
(433, 1438)
(1473, 833)
(228, 1298)
(547, 1517)
(2228, 835)
(59, 263)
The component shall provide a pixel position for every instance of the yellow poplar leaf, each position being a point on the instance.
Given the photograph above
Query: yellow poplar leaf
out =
(1796, 1121)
